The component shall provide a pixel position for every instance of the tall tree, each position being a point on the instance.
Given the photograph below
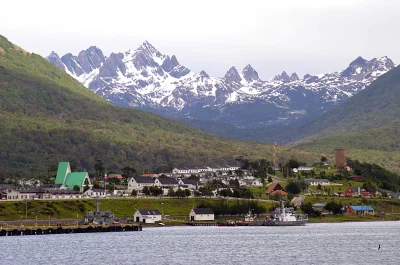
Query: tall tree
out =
(99, 167)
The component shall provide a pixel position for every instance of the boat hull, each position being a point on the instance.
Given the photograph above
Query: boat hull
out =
(277, 223)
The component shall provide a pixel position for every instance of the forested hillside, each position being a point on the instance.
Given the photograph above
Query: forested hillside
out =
(47, 116)
(377, 105)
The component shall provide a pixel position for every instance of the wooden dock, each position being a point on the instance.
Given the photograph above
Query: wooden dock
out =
(201, 224)
(68, 230)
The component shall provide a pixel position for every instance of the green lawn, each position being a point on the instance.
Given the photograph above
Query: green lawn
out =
(259, 192)
(124, 207)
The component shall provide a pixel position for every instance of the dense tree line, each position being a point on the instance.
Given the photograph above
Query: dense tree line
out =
(238, 207)
(375, 174)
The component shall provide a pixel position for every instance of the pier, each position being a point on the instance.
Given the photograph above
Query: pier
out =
(68, 230)
(202, 224)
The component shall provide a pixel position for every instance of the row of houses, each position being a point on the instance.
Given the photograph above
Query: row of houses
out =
(46, 191)
(352, 209)
(153, 216)
(138, 183)
(206, 169)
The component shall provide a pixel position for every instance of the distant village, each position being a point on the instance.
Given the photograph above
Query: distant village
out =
(209, 182)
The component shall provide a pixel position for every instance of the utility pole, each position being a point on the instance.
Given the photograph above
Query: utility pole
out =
(26, 209)
(105, 184)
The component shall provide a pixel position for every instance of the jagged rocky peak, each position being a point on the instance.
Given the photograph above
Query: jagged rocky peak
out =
(72, 64)
(359, 61)
(362, 68)
(382, 63)
(91, 58)
(174, 60)
(306, 76)
(146, 56)
(204, 74)
(169, 63)
(53, 54)
(55, 59)
(148, 49)
(233, 75)
(294, 77)
(284, 77)
(250, 74)
(112, 65)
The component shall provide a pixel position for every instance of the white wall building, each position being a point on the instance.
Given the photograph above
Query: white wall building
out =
(95, 193)
(201, 214)
(138, 183)
(315, 182)
(147, 216)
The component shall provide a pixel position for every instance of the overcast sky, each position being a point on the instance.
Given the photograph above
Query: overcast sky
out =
(307, 36)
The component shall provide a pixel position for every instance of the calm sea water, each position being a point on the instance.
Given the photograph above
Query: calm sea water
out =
(340, 243)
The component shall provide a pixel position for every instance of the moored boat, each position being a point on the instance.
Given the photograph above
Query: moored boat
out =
(283, 217)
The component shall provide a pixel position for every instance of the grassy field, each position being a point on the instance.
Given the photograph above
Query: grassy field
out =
(120, 207)
(259, 192)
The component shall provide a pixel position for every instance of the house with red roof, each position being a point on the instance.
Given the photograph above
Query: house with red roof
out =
(274, 187)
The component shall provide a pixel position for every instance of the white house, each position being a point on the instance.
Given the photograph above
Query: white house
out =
(253, 182)
(167, 183)
(95, 193)
(147, 216)
(29, 182)
(304, 168)
(181, 170)
(138, 183)
(316, 182)
(11, 194)
(192, 184)
(201, 214)
(233, 168)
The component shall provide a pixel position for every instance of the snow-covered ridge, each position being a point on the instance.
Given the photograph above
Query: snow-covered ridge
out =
(144, 77)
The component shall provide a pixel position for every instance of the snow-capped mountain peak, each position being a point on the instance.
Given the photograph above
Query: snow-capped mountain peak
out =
(249, 74)
(294, 77)
(284, 77)
(232, 75)
(146, 78)
(203, 74)
(361, 68)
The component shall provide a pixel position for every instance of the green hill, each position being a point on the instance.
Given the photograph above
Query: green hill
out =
(367, 125)
(379, 145)
(377, 105)
(47, 116)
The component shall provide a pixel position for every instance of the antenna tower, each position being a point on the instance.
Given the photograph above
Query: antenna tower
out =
(275, 154)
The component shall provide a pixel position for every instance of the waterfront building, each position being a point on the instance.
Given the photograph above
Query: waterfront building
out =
(359, 210)
(147, 216)
(201, 214)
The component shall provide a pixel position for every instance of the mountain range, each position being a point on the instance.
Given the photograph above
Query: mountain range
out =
(47, 116)
(146, 79)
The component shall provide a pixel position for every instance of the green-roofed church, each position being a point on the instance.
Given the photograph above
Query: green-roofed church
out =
(69, 179)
